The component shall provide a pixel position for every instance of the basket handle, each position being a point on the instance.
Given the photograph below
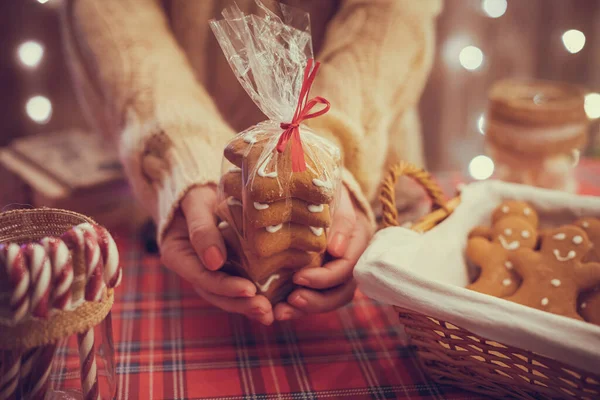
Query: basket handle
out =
(388, 189)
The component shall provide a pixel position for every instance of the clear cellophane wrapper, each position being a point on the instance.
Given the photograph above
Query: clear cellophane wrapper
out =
(275, 218)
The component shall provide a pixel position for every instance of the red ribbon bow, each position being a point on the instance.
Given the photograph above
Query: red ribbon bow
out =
(292, 129)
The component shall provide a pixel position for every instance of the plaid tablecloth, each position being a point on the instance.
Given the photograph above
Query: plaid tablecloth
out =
(173, 345)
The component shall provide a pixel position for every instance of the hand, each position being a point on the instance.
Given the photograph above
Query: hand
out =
(194, 248)
(331, 286)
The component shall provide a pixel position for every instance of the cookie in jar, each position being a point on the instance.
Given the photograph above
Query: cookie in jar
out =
(536, 131)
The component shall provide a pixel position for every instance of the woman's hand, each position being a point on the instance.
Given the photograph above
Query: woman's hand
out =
(331, 286)
(194, 248)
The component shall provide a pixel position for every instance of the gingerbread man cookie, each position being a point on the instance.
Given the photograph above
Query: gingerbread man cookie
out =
(517, 208)
(554, 276)
(497, 277)
(509, 208)
(591, 226)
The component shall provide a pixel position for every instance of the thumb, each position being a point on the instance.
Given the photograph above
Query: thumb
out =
(343, 224)
(198, 207)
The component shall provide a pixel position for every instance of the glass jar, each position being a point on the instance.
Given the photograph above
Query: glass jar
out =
(535, 131)
(58, 271)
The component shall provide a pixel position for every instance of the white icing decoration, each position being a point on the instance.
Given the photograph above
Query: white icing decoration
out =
(265, 287)
(223, 225)
(260, 206)
(527, 211)
(545, 301)
(505, 209)
(586, 224)
(508, 231)
(559, 236)
(320, 183)
(577, 239)
(316, 208)
(506, 282)
(250, 138)
(232, 201)
(555, 282)
(262, 169)
(525, 234)
(274, 228)
(235, 169)
(508, 245)
(583, 305)
(508, 265)
(316, 231)
(570, 255)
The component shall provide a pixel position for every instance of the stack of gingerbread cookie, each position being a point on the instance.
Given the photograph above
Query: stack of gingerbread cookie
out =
(554, 269)
(276, 220)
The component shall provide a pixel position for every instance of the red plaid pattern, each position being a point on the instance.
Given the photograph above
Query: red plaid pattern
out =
(172, 345)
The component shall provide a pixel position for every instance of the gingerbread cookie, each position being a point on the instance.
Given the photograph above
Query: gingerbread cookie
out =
(260, 215)
(276, 238)
(589, 306)
(554, 276)
(267, 175)
(591, 226)
(497, 277)
(516, 208)
(271, 275)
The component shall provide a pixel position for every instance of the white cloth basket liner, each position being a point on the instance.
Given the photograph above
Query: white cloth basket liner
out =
(427, 273)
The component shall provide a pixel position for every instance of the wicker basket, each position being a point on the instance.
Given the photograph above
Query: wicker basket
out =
(454, 356)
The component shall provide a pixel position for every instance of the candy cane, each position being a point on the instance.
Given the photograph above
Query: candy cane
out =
(62, 274)
(12, 260)
(41, 272)
(110, 253)
(87, 360)
(83, 243)
(10, 366)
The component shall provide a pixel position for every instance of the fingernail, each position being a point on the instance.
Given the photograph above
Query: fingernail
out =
(258, 311)
(338, 244)
(213, 258)
(299, 301)
(284, 316)
(301, 281)
(247, 293)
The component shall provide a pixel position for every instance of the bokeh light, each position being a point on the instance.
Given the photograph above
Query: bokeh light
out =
(39, 109)
(481, 167)
(30, 53)
(481, 124)
(592, 105)
(471, 58)
(573, 40)
(494, 8)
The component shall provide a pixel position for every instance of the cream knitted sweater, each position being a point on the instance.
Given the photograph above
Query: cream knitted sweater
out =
(151, 74)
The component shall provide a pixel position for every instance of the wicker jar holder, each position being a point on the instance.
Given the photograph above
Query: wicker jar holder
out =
(58, 271)
(454, 356)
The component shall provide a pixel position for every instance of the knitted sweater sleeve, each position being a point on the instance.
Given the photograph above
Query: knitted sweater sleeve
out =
(136, 84)
(375, 61)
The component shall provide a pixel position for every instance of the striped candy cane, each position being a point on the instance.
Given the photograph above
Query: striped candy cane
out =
(62, 277)
(13, 263)
(110, 254)
(87, 360)
(10, 367)
(62, 272)
(83, 242)
(41, 273)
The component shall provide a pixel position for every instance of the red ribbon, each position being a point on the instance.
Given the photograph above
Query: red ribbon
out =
(292, 129)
